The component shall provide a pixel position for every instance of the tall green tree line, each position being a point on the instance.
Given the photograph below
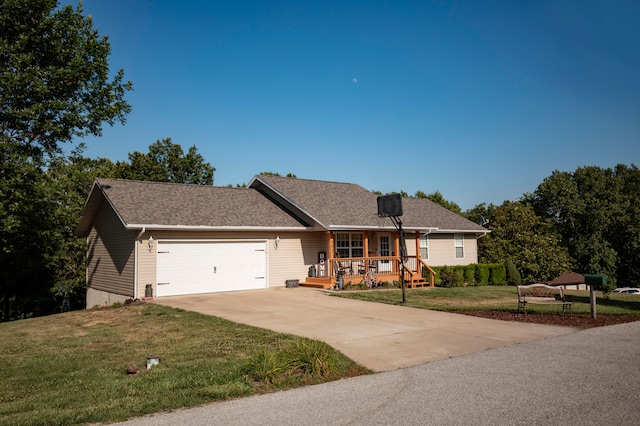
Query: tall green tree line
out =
(587, 221)
(55, 86)
(596, 213)
(54, 89)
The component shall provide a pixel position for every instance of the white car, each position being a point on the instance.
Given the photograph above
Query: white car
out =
(624, 289)
(629, 290)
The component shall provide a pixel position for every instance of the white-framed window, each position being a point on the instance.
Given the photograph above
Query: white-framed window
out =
(384, 246)
(350, 244)
(424, 247)
(459, 245)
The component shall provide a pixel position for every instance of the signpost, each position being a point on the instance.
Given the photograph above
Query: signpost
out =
(594, 281)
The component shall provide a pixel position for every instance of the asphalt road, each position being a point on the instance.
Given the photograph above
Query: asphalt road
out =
(589, 377)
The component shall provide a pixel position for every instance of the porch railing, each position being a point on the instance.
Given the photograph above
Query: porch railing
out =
(426, 270)
(357, 267)
(385, 267)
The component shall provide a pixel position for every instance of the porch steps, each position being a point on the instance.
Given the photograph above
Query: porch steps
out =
(417, 282)
(313, 285)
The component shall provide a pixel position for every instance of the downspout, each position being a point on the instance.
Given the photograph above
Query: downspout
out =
(137, 266)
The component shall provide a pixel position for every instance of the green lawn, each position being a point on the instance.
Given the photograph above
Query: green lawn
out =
(72, 368)
(496, 298)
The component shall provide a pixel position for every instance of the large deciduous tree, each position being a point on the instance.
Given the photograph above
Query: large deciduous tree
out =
(439, 199)
(625, 235)
(26, 245)
(596, 211)
(55, 86)
(54, 76)
(167, 162)
(519, 235)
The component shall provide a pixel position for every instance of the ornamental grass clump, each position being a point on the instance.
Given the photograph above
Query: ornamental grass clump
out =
(267, 366)
(313, 358)
(302, 361)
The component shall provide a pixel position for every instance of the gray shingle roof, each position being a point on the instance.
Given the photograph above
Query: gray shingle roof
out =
(177, 205)
(328, 203)
(336, 204)
(270, 202)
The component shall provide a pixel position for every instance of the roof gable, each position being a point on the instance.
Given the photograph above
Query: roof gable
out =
(329, 204)
(334, 205)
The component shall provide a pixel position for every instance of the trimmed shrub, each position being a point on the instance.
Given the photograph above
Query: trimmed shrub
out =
(438, 280)
(481, 274)
(513, 275)
(469, 274)
(497, 274)
(478, 274)
(448, 277)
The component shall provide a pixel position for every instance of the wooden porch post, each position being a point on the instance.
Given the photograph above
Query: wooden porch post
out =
(331, 253)
(417, 246)
(396, 243)
(366, 244)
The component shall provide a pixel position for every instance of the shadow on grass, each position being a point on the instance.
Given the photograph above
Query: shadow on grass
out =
(625, 305)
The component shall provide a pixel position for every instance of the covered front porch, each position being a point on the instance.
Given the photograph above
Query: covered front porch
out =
(355, 260)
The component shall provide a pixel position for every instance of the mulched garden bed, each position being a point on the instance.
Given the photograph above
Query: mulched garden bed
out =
(575, 320)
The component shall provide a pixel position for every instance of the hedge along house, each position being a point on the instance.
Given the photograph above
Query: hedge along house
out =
(160, 239)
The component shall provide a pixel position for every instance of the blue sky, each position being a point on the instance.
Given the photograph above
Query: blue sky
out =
(480, 100)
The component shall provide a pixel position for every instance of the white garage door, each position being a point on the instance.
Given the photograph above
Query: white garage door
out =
(207, 267)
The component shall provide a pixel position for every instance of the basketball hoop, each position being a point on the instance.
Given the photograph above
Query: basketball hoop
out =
(391, 206)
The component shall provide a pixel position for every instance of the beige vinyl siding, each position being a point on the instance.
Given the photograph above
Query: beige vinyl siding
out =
(146, 264)
(442, 250)
(296, 253)
(410, 242)
(110, 254)
(470, 249)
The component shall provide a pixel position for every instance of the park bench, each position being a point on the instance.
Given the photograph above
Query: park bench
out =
(542, 294)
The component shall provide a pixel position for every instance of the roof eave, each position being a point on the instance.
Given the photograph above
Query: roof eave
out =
(158, 227)
(461, 231)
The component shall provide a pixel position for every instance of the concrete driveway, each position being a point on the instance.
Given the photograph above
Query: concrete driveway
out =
(380, 337)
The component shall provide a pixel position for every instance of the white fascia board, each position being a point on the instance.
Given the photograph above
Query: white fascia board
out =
(155, 227)
(461, 231)
(359, 228)
(423, 230)
(389, 227)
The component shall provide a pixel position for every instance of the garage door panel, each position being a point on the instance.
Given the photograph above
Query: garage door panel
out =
(205, 267)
